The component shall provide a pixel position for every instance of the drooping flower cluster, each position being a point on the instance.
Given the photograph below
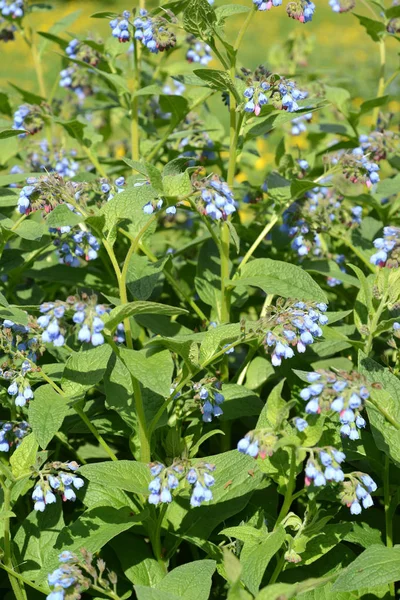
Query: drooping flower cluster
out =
(263, 86)
(356, 493)
(11, 434)
(325, 466)
(77, 79)
(75, 575)
(120, 27)
(208, 393)
(301, 10)
(166, 479)
(153, 32)
(14, 9)
(28, 117)
(81, 51)
(258, 443)
(388, 247)
(74, 244)
(56, 478)
(198, 52)
(216, 199)
(299, 124)
(292, 325)
(378, 144)
(18, 349)
(86, 314)
(341, 392)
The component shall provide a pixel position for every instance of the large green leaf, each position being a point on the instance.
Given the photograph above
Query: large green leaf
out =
(128, 475)
(255, 558)
(376, 566)
(46, 414)
(280, 278)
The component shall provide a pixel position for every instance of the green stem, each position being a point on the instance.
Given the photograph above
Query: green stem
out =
(289, 488)
(17, 588)
(92, 428)
(388, 516)
(93, 159)
(224, 255)
(157, 547)
(135, 104)
(381, 84)
(174, 284)
(278, 569)
(373, 324)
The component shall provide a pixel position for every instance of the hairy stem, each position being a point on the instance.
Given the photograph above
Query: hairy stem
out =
(224, 255)
(381, 84)
(287, 501)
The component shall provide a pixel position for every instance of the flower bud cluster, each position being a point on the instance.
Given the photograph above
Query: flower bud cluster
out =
(56, 478)
(299, 124)
(357, 166)
(378, 144)
(262, 5)
(341, 392)
(388, 247)
(340, 6)
(7, 30)
(263, 87)
(80, 51)
(11, 434)
(14, 9)
(166, 479)
(258, 443)
(46, 192)
(111, 189)
(291, 325)
(77, 79)
(76, 575)
(301, 10)
(74, 244)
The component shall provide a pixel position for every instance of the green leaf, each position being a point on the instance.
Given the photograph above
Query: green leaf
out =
(84, 369)
(259, 370)
(393, 12)
(230, 10)
(369, 105)
(339, 97)
(143, 276)
(375, 29)
(24, 456)
(8, 133)
(199, 18)
(128, 475)
(176, 105)
(191, 581)
(92, 530)
(5, 107)
(36, 535)
(46, 414)
(148, 170)
(139, 564)
(146, 593)
(31, 230)
(389, 186)
(274, 409)
(62, 216)
(377, 565)
(28, 96)
(119, 313)
(154, 371)
(217, 80)
(239, 402)
(278, 118)
(280, 278)
(255, 558)
(119, 391)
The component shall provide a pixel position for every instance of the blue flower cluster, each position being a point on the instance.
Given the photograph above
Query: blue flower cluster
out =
(81, 51)
(357, 492)
(65, 577)
(150, 207)
(299, 124)
(20, 115)
(261, 5)
(14, 9)
(20, 387)
(77, 245)
(17, 342)
(368, 166)
(56, 478)
(198, 52)
(340, 6)
(111, 190)
(50, 322)
(289, 94)
(217, 197)
(301, 10)
(325, 467)
(77, 80)
(120, 27)
(167, 479)
(388, 248)
(211, 399)
(11, 434)
(90, 322)
(153, 32)
(296, 325)
(255, 97)
(343, 393)
(24, 200)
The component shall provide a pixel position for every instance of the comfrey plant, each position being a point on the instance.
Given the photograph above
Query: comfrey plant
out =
(199, 302)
